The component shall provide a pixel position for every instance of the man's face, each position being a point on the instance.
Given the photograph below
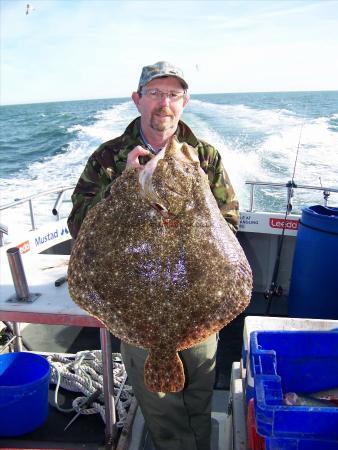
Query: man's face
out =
(161, 114)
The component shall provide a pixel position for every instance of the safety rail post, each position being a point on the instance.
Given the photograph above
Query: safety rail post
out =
(252, 187)
(108, 383)
(3, 230)
(32, 214)
(18, 338)
(326, 195)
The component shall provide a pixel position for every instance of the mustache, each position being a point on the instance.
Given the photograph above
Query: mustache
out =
(165, 111)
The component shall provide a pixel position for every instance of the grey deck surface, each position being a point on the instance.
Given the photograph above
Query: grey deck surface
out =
(218, 436)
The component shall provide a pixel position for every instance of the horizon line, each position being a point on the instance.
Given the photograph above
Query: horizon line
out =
(191, 95)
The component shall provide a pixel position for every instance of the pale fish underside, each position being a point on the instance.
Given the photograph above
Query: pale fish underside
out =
(157, 263)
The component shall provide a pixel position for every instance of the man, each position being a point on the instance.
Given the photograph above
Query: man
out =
(176, 421)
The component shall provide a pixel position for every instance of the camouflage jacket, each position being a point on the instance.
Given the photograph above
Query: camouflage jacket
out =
(109, 161)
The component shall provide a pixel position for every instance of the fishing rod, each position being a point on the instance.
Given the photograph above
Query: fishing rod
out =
(275, 289)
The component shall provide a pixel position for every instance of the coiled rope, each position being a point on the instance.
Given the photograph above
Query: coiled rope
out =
(83, 373)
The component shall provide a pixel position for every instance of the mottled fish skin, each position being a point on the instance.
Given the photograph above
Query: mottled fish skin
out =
(157, 263)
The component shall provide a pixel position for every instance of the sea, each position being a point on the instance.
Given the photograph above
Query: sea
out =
(270, 137)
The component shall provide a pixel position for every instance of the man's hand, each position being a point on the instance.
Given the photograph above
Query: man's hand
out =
(132, 160)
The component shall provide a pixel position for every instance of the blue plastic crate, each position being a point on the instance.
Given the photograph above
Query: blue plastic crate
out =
(258, 323)
(301, 362)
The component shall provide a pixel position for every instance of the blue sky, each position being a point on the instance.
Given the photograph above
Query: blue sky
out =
(86, 49)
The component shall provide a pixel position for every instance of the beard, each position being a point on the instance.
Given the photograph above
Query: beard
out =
(162, 119)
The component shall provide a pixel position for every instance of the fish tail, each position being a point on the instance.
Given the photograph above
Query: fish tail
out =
(163, 373)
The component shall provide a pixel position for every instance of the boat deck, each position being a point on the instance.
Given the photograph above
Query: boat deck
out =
(88, 432)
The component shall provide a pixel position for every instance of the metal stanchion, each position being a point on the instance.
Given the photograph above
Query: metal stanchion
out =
(19, 278)
(108, 386)
(11, 327)
(3, 230)
(18, 338)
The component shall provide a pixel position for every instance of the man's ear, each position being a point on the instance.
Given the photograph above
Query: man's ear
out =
(136, 99)
(186, 99)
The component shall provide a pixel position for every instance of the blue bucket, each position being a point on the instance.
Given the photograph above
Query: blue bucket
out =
(24, 380)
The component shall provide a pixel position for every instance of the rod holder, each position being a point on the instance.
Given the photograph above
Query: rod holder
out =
(19, 278)
(59, 200)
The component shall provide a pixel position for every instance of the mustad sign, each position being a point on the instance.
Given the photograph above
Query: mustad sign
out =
(58, 234)
(41, 239)
(45, 237)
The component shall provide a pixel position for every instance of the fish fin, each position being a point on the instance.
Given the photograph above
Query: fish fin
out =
(190, 153)
(163, 373)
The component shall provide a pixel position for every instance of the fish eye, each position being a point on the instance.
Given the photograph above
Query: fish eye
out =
(158, 207)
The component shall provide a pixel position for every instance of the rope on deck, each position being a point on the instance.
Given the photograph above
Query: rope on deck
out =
(83, 373)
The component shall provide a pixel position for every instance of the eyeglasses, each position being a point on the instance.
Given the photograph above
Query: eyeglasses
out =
(156, 94)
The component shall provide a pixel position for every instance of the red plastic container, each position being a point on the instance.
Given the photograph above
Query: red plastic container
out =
(255, 441)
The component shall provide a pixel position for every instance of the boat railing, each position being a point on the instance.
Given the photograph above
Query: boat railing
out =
(60, 191)
(3, 230)
(290, 186)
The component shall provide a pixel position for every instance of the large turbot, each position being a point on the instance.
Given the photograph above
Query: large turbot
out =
(158, 264)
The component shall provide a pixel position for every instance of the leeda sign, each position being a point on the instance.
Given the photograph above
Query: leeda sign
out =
(269, 223)
(288, 224)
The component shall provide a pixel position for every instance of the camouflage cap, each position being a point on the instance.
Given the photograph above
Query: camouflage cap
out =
(158, 70)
